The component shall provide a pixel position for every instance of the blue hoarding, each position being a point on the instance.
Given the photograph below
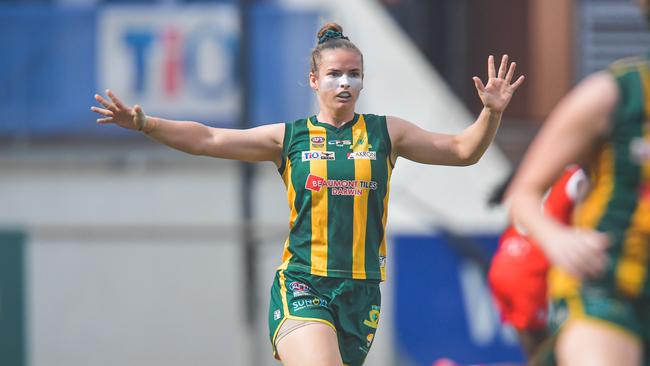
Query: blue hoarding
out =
(178, 61)
(443, 305)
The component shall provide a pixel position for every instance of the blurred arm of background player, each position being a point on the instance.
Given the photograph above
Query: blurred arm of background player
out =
(262, 143)
(572, 131)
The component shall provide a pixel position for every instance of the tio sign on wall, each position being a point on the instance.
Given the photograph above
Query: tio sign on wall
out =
(175, 61)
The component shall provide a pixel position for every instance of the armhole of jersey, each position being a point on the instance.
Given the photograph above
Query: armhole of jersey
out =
(384, 126)
(286, 142)
(621, 70)
(619, 108)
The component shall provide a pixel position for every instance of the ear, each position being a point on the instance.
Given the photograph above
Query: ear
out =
(313, 81)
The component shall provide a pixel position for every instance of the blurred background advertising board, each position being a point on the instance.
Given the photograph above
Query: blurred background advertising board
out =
(178, 62)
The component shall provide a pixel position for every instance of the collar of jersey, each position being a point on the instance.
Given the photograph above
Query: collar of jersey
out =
(328, 126)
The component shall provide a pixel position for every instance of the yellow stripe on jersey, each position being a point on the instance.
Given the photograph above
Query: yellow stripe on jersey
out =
(645, 80)
(318, 207)
(382, 247)
(589, 213)
(291, 196)
(362, 172)
(631, 271)
(624, 65)
(561, 284)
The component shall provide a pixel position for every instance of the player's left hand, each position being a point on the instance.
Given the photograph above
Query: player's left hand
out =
(498, 91)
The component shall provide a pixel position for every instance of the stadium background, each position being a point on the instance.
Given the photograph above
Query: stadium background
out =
(115, 251)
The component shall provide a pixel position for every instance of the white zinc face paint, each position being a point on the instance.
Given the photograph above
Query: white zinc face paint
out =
(332, 83)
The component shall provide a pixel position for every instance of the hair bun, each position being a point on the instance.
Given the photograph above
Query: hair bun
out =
(331, 35)
(330, 31)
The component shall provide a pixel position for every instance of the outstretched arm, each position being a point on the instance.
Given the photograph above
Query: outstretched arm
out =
(262, 143)
(570, 135)
(466, 148)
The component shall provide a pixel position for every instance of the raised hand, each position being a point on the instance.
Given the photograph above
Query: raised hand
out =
(117, 113)
(498, 91)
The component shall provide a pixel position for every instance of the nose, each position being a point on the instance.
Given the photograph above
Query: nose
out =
(344, 82)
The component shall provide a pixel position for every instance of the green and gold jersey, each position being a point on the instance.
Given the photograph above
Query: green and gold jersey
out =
(337, 182)
(619, 202)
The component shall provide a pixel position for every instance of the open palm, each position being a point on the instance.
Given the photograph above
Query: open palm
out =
(498, 91)
(116, 112)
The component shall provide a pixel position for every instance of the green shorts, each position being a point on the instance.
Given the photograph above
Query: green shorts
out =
(350, 307)
(599, 301)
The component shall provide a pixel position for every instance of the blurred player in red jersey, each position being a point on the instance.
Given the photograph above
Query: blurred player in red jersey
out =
(518, 271)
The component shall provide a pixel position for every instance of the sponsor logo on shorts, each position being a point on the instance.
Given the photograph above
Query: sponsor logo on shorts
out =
(299, 288)
(277, 314)
(362, 155)
(369, 339)
(339, 187)
(308, 303)
(318, 155)
(318, 141)
(558, 314)
(373, 317)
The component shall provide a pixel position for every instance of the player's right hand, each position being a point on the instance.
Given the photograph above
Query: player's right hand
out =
(117, 113)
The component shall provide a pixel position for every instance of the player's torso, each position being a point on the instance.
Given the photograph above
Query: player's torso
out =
(337, 179)
(619, 201)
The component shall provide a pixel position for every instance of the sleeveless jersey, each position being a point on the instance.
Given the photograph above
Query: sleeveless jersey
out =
(619, 202)
(337, 182)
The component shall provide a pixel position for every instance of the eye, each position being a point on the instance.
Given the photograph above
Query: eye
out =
(355, 74)
(334, 74)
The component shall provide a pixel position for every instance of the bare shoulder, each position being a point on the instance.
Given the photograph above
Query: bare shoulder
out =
(273, 131)
(589, 105)
(599, 90)
(398, 126)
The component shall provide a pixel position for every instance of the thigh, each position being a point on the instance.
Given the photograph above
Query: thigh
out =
(313, 344)
(592, 343)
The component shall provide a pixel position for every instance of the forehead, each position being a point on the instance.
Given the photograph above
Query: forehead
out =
(340, 58)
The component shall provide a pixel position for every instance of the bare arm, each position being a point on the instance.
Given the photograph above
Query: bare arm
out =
(569, 135)
(262, 143)
(466, 148)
